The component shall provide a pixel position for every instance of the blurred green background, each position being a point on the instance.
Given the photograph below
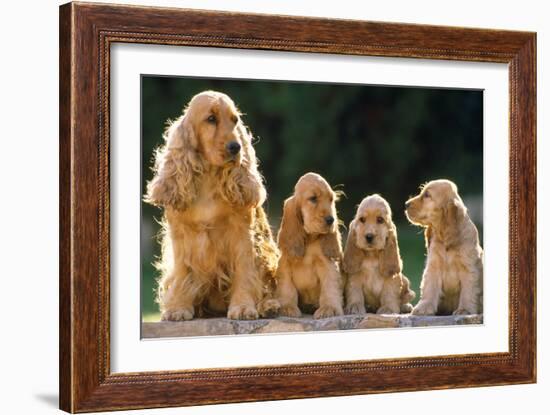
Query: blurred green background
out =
(362, 139)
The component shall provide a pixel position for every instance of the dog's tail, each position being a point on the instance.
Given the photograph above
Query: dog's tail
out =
(267, 258)
(164, 264)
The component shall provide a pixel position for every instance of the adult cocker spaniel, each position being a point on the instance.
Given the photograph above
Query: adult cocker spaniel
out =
(372, 262)
(308, 275)
(453, 277)
(218, 254)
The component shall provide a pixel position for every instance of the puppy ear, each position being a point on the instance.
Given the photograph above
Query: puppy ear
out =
(353, 255)
(390, 259)
(453, 214)
(331, 244)
(177, 164)
(292, 237)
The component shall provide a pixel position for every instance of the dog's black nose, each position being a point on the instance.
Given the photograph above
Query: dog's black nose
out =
(407, 204)
(329, 220)
(369, 237)
(233, 147)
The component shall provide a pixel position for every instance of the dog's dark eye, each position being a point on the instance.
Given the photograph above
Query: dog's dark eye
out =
(235, 119)
(212, 119)
(379, 219)
(426, 195)
(362, 220)
(313, 199)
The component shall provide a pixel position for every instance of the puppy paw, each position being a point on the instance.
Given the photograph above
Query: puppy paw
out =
(356, 308)
(290, 311)
(269, 308)
(423, 309)
(462, 312)
(242, 312)
(326, 311)
(386, 310)
(177, 315)
(406, 308)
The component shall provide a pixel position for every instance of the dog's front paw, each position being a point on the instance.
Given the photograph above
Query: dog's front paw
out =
(356, 308)
(177, 315)
(462, 312)
(406, 308)
(269, 308)
(290, 311)
(326, 311)
(242, 312)
(386, 310)
(423, 309)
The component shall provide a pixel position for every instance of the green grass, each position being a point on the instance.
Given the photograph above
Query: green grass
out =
(411, 244)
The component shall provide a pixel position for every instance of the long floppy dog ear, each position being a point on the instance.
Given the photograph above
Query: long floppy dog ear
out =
(390, 259)
(292, 237)
(243, 185)
(353, 255)
(331, 245)
(428, 234)
(177, 165)
(256, 191)
(453, 214)
(249, 160)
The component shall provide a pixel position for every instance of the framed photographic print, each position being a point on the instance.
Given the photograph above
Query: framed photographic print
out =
(258, 207)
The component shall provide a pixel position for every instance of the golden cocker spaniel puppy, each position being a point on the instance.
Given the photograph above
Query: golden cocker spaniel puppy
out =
(218, 252)
(308, 275)
(372, 262)
(453, 277)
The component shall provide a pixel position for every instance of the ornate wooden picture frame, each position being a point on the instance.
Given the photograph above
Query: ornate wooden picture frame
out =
(87, 32)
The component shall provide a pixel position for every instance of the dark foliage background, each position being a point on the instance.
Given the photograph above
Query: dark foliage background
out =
(362, 139)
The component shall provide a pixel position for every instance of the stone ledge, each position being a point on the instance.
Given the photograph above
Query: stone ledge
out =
(224, 326)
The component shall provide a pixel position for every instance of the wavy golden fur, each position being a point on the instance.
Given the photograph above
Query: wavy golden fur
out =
(372, 262)
(218, 253)
(453, 277)
(308, 275)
